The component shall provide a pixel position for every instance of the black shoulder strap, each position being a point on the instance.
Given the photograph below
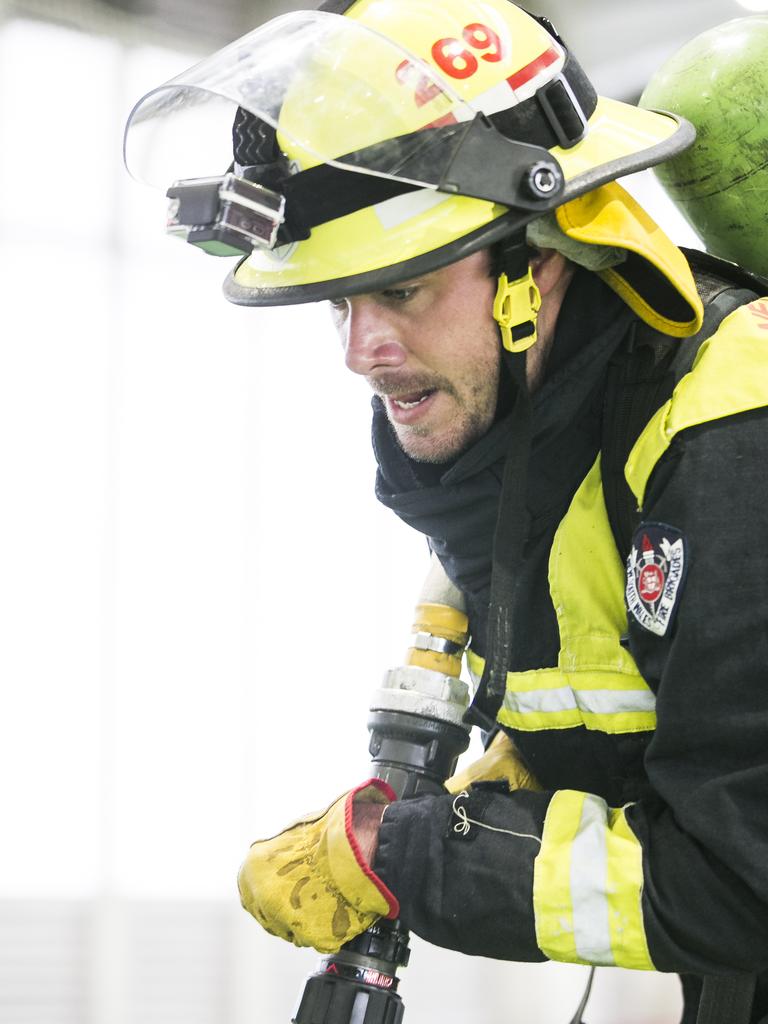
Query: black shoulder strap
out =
(727, 999)
(643, 374)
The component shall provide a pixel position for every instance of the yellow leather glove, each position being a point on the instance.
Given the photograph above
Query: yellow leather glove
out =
(311, 884)
(500, 761)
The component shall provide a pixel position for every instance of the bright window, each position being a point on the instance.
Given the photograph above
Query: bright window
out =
(198, 585)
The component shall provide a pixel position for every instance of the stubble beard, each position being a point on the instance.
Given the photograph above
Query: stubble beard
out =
(474, 415)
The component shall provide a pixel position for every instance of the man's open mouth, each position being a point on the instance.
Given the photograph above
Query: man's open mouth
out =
(412, 400)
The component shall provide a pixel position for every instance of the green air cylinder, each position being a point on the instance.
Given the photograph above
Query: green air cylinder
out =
(719, 81)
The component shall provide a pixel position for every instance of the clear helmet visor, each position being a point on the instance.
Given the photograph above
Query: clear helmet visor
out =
(339, 93)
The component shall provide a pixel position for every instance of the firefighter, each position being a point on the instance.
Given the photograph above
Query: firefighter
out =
(573, 412)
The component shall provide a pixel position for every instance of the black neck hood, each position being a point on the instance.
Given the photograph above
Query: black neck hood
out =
(455, 504)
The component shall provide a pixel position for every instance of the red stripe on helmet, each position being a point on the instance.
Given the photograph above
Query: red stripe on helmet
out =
(441, 122)
(531, 70)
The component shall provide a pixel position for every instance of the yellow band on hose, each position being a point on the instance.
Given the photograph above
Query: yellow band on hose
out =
(448, 664)
(442, 620)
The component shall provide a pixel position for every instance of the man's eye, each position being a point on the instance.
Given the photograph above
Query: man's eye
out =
(400, 294)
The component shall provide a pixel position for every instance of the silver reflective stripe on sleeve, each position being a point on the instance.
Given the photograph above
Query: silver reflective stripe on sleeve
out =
(589, 869)
(588, 885)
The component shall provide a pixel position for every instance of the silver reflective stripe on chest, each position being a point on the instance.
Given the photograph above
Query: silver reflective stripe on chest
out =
(553, 700)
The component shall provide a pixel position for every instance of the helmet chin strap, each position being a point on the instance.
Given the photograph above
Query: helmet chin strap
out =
(518, 299)
(515, 308)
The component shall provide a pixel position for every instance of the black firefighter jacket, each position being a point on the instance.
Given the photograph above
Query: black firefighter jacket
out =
(637, 694)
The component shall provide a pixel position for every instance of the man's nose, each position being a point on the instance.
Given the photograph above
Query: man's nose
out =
(371, 340)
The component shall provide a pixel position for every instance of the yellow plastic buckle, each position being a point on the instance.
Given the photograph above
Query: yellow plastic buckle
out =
(516, 305)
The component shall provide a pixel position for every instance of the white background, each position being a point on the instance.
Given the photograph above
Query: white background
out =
(198, 592)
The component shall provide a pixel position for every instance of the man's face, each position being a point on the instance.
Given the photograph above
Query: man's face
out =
(430, 348)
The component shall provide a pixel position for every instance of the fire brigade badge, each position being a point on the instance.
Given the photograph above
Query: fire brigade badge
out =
(655, 573)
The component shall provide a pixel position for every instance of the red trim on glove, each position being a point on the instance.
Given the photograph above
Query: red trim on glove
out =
(365, 867)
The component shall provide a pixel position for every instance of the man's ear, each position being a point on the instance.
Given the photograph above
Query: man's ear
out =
(549, 267)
